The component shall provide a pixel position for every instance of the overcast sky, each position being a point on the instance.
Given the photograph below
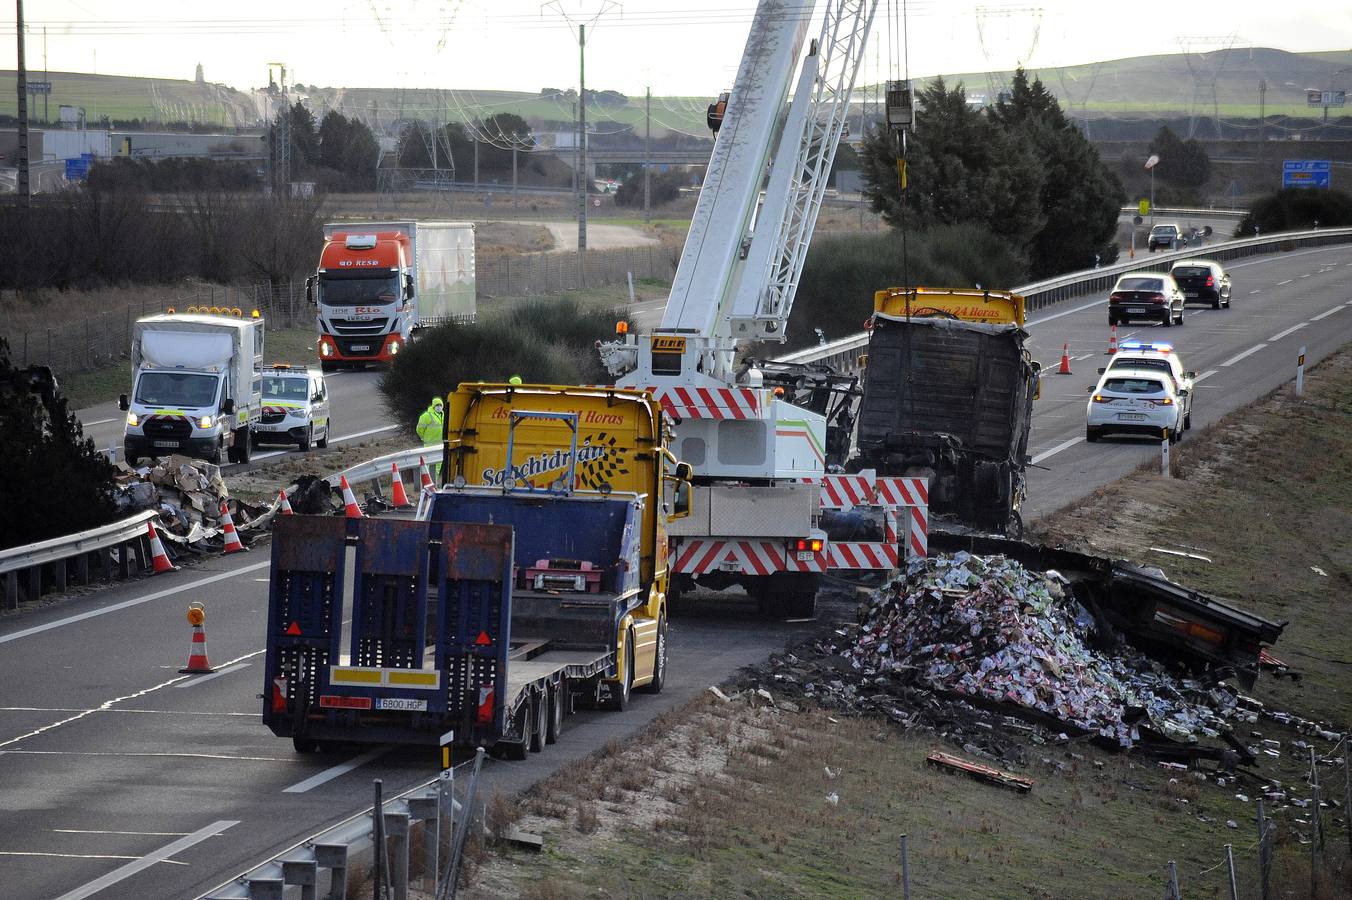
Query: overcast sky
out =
(689, 48)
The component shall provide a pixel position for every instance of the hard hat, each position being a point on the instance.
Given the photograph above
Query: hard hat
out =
(515, 379)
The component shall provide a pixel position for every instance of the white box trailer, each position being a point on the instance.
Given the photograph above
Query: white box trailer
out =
(441, 261)
(197, 386)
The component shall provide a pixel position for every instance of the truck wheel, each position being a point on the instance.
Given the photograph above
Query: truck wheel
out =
(660, 662)
(519, 750)
(539, 722)
(618, 698)
(214, 457)
(130, 458)
(243, 444)
(305, 744)
(802, 604)
(326, 366)
(558, 702)
(323, 443)
(304, 442)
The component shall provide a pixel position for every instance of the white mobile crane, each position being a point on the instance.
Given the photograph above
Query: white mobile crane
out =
(758, 459)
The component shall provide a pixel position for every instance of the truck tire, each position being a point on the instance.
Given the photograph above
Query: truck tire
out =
(558, 707)
(519, 750)
(326, 366)
(539, 722)
(214, 457)
(244, 443)
(660, 662)
(323, 443)
(617, 700)
(306, 440)
(305, 744)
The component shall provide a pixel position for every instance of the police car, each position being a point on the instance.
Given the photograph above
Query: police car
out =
(295, 408)
(1134, 401)
(1160, 357)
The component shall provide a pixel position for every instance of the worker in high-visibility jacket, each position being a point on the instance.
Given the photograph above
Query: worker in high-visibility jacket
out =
(430, 426)
(430, 423)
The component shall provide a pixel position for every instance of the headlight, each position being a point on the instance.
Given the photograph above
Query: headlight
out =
(204, 422)
(133, 420)
(325, 349)
(296, 413)
(394, 347)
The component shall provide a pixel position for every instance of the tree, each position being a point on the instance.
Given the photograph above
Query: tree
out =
(55, 482)
(664, 187)
(282, 238)
(502, 132)
(1080, 196)
(1297, 208)
(962, 167)
(347, 145)
(1183, 164)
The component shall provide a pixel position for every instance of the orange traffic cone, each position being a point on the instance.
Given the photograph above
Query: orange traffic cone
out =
(397, 489)
(197, 652)
(159, 560)
(350, 507)
(232, 541)
(1112, 341)
(286, 504)
(424, 477)
(1065, 360)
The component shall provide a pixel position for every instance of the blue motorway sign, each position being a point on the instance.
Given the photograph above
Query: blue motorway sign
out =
(1306, 173)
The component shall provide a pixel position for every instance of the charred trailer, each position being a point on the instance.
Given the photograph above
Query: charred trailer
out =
(948, 394)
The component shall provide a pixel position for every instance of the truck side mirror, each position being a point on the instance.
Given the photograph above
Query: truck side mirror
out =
(681, 501)
(684, 472)
(122, 403)
(408, 287)
(227, 406)
(1102, 369)
(310, 290)
(1191, 374)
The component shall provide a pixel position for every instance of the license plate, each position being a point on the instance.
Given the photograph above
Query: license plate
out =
(730, 567)
(804, 555)
(1189, 293)
(1136, 309)
(360, 348)
(1132, 417)
(401, 703)
(166, 443)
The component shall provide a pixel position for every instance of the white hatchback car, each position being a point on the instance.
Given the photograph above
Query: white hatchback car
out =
(1160, 357)
(1134, 401)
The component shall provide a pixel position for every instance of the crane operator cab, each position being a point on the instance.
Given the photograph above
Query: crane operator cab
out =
(716, 111)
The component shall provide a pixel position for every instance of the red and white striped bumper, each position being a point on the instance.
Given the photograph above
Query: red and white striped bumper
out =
(699, 556)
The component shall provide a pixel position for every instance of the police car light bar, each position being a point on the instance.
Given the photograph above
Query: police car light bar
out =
(1137, 345)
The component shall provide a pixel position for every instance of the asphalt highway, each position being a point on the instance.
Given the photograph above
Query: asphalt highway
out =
(122, 778)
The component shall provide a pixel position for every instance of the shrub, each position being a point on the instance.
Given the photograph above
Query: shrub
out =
(545, 341)
(1296, 208)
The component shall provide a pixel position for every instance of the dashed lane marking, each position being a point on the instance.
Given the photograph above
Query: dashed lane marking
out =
(1281, 334)
(1057, 449)
(193, 682)
(328, 775)
(1325, 314)
(163, 854)
(1247, 353)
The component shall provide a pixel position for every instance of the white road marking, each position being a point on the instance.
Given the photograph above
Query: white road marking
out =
(1057, 449)
(122, 873)
(328, 775)
(139, 833)
(1204, 376)
(99, 422)
(72, 855)
(107, 704)
(1234, 359)
(1259, 291)
(191, 682)
(127, 604)
(1305, 276)
(1281, 334)
(361, 434)
(1325, 315)
(167, 754)
(1287, 281)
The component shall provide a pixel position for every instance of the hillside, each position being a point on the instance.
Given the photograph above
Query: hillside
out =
(1223, 82)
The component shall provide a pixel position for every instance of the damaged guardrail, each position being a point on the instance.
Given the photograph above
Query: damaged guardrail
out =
(843, 354)
(47, 565)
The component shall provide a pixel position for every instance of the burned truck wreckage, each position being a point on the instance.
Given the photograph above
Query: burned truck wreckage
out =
(995, 642)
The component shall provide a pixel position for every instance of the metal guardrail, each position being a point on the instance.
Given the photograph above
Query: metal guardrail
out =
(844, 356)
(1190, 211)
(48, 562)
(379, 468)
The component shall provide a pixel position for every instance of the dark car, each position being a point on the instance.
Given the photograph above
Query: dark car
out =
(1202, 281)
(1145, 295)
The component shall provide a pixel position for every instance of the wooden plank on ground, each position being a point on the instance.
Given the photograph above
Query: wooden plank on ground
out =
(980, 772)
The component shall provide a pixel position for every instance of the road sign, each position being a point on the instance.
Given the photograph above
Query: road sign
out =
(39, 87)
(1306, 173)
(1325, 98)
(1143, 207)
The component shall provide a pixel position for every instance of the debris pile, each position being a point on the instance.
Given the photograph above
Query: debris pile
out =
(994, 655)
(187, 494)
(990, 629)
